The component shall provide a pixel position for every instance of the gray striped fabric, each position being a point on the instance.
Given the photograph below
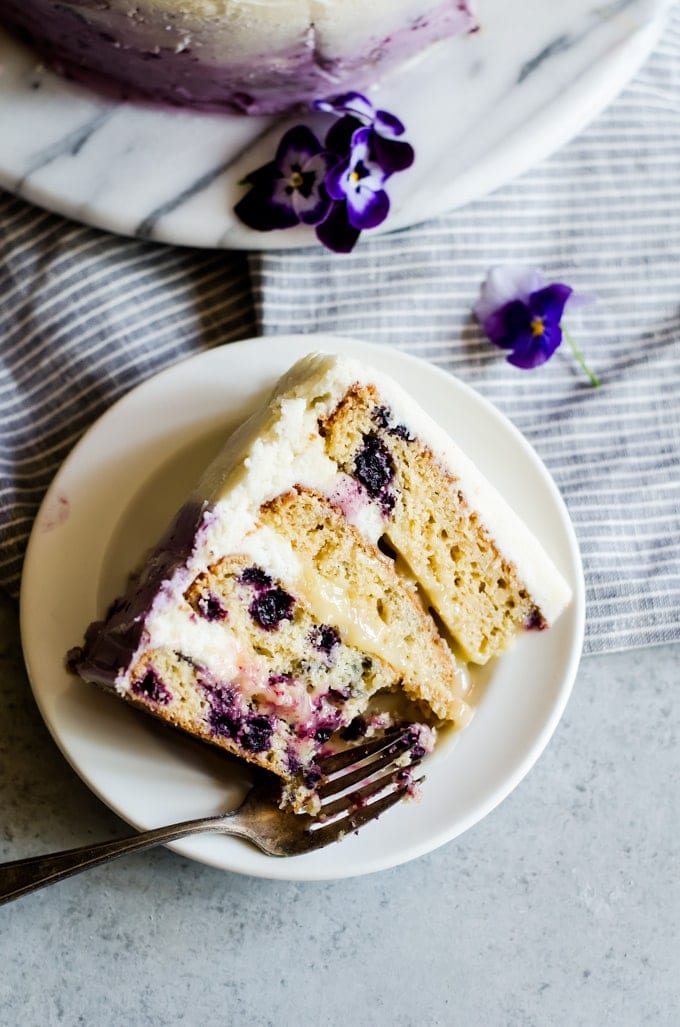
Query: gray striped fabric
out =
(84, 317)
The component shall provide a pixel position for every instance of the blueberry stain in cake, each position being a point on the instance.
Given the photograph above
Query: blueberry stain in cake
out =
(355, 730)
(415, 742)
(382, 415)
(312, 776)
(536, 621)
(279, 679)
(324, 638)
(211, 608)
(224, 719)
(374, 468)
(256, 577)
(402, 432)
(293, 764)
(152, 688)
(270, 607)
(339, 696)
(256, 733)
(373, 465)
(326, 728)
(224, 723)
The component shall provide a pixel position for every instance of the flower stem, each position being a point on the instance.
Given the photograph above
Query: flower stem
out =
(594, 381)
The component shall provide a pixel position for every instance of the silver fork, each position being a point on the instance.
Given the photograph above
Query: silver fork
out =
(377, 772)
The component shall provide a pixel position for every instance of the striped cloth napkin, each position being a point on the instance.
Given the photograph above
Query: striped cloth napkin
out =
(85, 316)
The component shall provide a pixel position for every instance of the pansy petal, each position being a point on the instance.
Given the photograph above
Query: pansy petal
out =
(387, 125)
(347, 103)
(527, 356)
(362, 141)
(335, 180)
(507, 324)
(533, 350)
(310, 201)
(331, 104)
(392, 155)
(371, 176)
(339, 136)
(504, 284)
(283, 194)
(336, 233)
(579, 299)
(549, 302)
(259, 211)
(312, 209)
(264, 176)
(321, 163)
(366, 208)
(360, 106)
(297, 145)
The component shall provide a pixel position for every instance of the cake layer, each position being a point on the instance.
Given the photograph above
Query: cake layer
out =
(248, 56)
(244, 664)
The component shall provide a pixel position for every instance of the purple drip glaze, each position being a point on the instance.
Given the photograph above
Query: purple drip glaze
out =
(110, 644)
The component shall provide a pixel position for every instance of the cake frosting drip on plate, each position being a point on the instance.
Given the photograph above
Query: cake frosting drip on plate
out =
(247, 56)
(340, 547)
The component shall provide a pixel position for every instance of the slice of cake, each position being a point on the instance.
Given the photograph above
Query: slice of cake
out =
(341, 545)
(248, 56)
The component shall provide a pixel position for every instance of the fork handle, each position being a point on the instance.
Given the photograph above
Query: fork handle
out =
(22, 876)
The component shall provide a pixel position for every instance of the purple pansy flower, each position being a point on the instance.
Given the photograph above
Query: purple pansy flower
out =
(356, 185)
(337, 186)
(520, 312)
(359, 181)
(385, 129)
(290, 189)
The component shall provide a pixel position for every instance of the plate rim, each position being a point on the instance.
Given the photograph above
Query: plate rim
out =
(327, 342)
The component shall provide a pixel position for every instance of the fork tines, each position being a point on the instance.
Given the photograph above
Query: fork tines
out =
(362, 760)
(363, 782)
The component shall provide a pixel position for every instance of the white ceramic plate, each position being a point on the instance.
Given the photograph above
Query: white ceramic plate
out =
(111, 500)
(479, 110)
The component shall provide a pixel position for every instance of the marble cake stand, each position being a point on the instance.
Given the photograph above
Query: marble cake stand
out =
(479, 110)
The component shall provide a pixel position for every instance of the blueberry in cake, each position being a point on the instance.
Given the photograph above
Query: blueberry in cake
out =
(247, 56)
(340, 546)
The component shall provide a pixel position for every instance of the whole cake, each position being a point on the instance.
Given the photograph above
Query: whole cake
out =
(341, 545)
(252, 56)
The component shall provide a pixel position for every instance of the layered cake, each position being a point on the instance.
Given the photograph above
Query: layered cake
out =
(341, 545)
(252, 56)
